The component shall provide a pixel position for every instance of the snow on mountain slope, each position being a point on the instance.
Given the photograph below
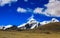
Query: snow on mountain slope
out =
(31, 21)
(44, 22)
(21, 25)
(54, 20)
(50, 21)
(8, 26)
(33, 26)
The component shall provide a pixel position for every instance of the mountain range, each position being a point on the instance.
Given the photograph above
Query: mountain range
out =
(31, 24)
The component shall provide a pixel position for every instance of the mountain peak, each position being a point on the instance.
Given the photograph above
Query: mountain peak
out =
(32, 23)
(55, 20)
(31, 19)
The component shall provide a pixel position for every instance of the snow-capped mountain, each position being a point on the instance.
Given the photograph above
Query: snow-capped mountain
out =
(7, 26)
(32, 23)
(54, 20)
(44, 22)
(22, 25)
(50, 21)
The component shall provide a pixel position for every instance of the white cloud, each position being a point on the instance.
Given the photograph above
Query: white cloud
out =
(24, 10)
(21, 10)
(53, 8)
(38, 10)
(4, 2)
(51, 0)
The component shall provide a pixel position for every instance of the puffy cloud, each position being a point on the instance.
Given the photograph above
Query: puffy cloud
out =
(38, 10)
(3, 2)
(21, 10)
(24, 10)
(53, 8)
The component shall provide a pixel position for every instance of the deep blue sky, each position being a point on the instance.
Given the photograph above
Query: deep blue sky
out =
(9, 14)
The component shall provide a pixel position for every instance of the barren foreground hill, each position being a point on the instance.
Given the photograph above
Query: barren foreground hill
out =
(15, 34)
